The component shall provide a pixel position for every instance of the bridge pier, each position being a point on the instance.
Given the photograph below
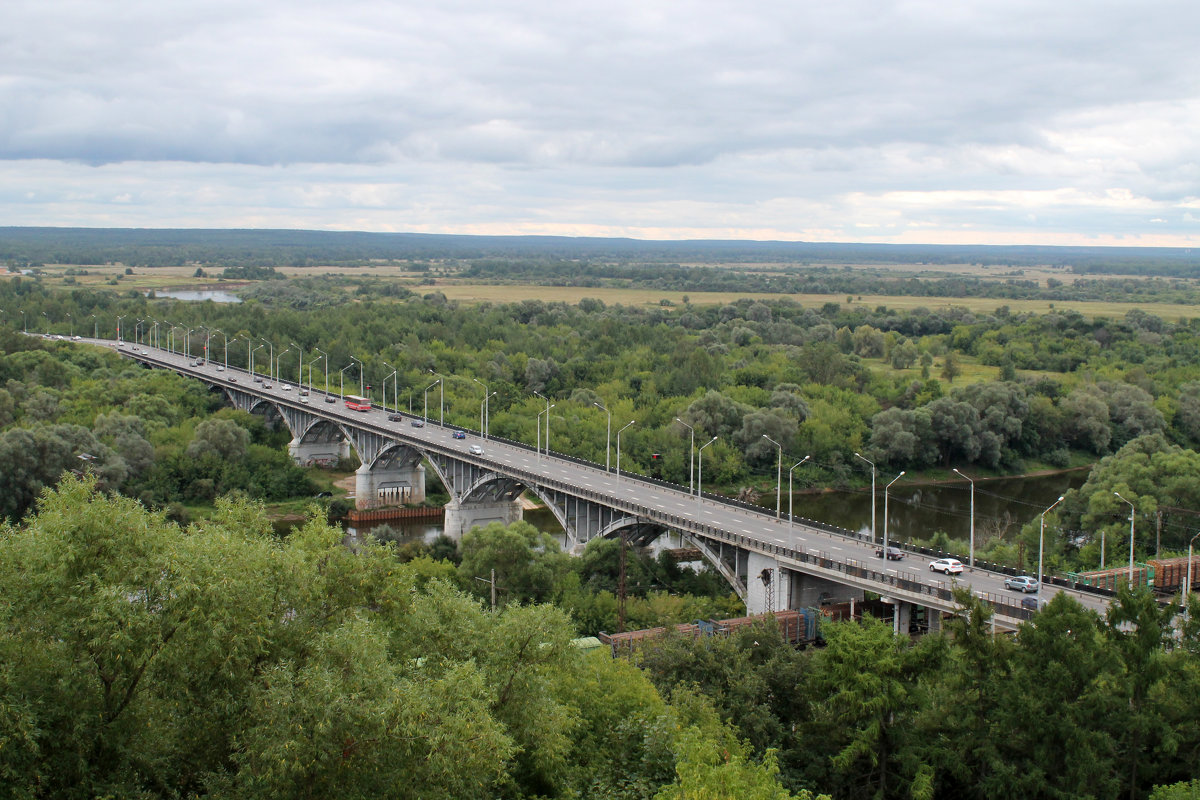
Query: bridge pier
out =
(388, 486)
(462, 516)
(305, 454)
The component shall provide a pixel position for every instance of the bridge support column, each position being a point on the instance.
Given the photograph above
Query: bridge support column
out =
(305, 454)
(902, 615)
(462, 516)
(388, 486)
(809, 591)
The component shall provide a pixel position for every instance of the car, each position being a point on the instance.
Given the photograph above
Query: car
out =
(304, 392)
(330, 399)
(220, 368)
(232, 379)
(395, 418)
(460, 434)
(893, 553)
(948, 566)
(286, 387)
(1034, 603)
(476, 450)
(1021, 583)
(418, 423)
(303, 399)
(258, 379)
(77, 338)
(267, 386)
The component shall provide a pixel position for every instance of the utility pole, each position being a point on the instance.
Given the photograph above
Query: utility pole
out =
(492, 583)
(621, 586)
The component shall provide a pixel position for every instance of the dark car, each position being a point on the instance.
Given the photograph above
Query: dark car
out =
(460, 434)
(1032, 603)
(893, 553)
(418, 423)
(330, 399)
(395, 418)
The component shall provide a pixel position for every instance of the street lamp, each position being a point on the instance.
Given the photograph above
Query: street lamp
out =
(47, 316)
(791, 522)
(72, 322)
(227, 341)
(885, 512)
(607, 435)
(872, 463)
(396, 392)
(1042, 545)
(778, 474)
(538, 425)
(441, 384)
(691, 454)
(95, 327)
(483, 415)
(1132, 508)
(270, 358)
(252, 352)
(700, 470)
(619, 448)
(547, 413)
(279, 361)
(325, 356)
(299, 365)
(342, 380)
(971, 551)
(362, 387)
(484, 411)
(425, 414)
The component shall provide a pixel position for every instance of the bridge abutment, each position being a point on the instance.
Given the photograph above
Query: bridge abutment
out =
(389, 486)
(462, 516)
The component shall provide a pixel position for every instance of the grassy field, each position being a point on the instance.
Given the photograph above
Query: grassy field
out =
(166, 278)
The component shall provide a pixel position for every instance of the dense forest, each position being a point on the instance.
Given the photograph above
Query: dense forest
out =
(210, 248)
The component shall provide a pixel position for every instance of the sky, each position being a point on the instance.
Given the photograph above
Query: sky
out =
(959, 121)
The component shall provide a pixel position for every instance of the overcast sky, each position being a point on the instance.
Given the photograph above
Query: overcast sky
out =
(1005, 121)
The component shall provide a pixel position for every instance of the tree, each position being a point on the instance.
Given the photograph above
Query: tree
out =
(528, 563)
(950, 367)
(223, 438)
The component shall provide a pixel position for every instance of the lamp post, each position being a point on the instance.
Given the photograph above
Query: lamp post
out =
(396, 392)
(619, 448)
(791, 522)
(872, 463)
(483, 409)
(607, 435)
(1188, 582)
(47, 316)
(691, 453)
(326, 358)
(278, 361)
(547, 413)
(71, 320)
(538, 425)
(252, 352)
(425, 413)
(778, 474)
(299, 365)
(885, 511)
(971, 550)
(227, 341)
(483, 415)
(1042, 545)
(1132, 508)
(270, 359)
(95, 327)
(342, 380)
(441, 384)
(25, 326)
(700, 470)
(362, 390)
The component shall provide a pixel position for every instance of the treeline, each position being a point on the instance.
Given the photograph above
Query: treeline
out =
(175, 247)
(140, 659)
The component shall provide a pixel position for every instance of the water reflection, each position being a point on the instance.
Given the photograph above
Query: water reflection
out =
(216, 295)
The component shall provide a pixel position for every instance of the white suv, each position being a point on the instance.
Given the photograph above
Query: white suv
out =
(947, 566)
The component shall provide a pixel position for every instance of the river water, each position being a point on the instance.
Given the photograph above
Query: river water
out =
(914, 511)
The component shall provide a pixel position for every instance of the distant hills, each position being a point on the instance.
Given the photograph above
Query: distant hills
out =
(148, 247)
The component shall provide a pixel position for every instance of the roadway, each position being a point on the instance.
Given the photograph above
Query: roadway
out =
(763, 527)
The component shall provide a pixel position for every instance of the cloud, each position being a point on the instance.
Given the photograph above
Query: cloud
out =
(786, 119)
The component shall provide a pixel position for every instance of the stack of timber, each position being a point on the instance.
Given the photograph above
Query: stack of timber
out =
(1113, 579)
(797, 626)
(1170, 573)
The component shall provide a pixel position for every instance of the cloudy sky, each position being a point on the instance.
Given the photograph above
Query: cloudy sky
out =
(989, 121)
